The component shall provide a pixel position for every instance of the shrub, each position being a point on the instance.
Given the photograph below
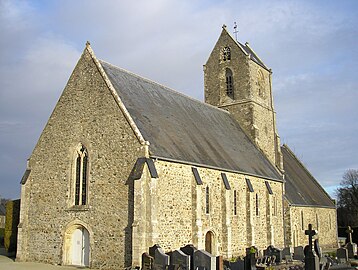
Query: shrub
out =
(11, 222)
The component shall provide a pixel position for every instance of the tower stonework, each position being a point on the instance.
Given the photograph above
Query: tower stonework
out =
(235, 79)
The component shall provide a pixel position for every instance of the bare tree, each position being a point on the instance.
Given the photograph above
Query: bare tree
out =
(347, 199)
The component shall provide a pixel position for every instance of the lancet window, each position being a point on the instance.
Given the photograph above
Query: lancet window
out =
(229, 83)
(81, 175)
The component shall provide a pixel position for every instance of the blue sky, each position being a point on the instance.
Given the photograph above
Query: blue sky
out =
(311, 46)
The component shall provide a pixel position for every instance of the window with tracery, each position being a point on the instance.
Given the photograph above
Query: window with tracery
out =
(81, 176)
(229, 83)
(226, 53)
(257, 205)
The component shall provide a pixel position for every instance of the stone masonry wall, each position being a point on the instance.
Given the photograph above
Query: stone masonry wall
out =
(181, 220)
(87, 114)
(252, 103)
(322, 219)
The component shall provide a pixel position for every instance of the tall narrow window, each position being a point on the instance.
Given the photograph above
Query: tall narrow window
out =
(330, 222)
(226, 53)
(207, 202)
(229, 83)
(257, 204)
(317, 222)
(81, 176)
(302, 223)
(235, 203)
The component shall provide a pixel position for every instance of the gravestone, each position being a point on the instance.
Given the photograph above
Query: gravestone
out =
(287, 254)
(239, 264)
(250, 258)
(342, 255)
(180, 260)
(350, 246)
(161, 260)
(311, 259)
(153, 249)
(219, 263)
(298, 253)
(204, 260)
(189, 250)
(147, 261)
(272, 251)
(317, 248)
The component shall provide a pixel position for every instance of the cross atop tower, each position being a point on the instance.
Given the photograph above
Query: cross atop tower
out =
(349, 231)
(235, 30)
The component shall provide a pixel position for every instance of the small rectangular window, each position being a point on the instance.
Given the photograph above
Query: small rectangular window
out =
(197, 176)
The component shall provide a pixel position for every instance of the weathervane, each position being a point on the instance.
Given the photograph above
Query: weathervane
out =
(235, 30)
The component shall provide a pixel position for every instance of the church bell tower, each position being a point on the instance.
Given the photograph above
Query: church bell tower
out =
(235, 79)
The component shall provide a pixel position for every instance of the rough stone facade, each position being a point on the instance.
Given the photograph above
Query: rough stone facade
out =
(123, 215)
(87, 114)
(252, 102)
(322, 220)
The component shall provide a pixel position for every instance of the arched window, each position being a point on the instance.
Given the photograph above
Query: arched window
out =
(235, 203)
(226, 53)
(81, 176)
(207, 200)
(229, 83)
(261, 83)
(257, 204)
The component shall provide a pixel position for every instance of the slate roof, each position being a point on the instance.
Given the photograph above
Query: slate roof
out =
(253, 55)
(183, 129)
(301, 187)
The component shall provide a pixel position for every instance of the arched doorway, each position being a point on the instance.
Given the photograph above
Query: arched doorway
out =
(77, 246)
(209, 242)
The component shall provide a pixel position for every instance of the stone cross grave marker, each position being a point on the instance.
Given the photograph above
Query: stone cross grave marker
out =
(342, 255)
(180, 260)
(298, 253)
(311, 259)
(351, 247)
(147, 261)
(204, 260)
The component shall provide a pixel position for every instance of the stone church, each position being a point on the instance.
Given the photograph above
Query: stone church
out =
(124, 163)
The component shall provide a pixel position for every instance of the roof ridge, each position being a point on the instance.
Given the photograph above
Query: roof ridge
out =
(258, 58)
(241, 46)
(165, 87)
(306, 170)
